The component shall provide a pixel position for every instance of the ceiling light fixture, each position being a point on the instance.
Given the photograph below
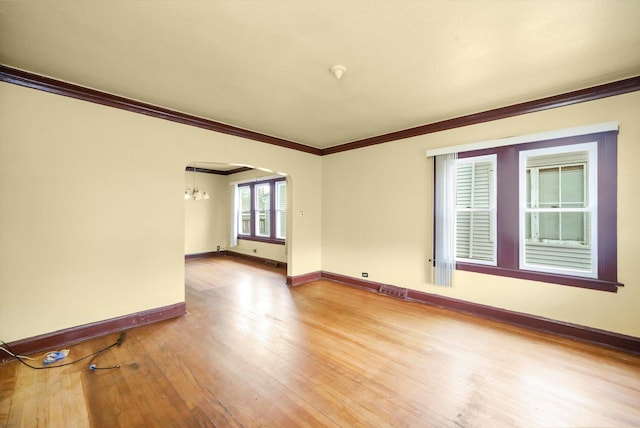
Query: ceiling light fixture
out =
(338, 71)
(194, 192)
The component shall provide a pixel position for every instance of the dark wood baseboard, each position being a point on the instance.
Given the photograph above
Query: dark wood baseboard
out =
(70, 336)
(228, 253)
(572, 331)
(303, 279)
(577, 332)
(261, 260)
(205, 255)
(354, 282)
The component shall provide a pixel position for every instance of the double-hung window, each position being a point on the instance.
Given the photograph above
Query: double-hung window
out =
(476, 210)
(262, 211)
(558, 215)
(544, 210)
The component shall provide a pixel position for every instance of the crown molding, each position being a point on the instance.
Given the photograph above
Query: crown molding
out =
(35, 81)
(619, 87)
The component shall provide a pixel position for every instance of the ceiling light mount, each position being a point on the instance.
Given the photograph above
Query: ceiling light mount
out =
(338, 71)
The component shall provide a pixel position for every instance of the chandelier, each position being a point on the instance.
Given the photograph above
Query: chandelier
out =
(195, 192)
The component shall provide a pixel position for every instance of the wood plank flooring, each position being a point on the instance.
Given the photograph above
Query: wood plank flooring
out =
(253, 352)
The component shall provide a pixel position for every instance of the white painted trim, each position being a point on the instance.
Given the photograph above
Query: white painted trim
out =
(529, 138)
(592, 207)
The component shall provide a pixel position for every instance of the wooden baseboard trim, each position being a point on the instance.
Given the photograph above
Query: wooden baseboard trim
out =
(205, 255)
(303, 279)
(228, 253)
(354, 282)
(577, 332)
(262, 260)
(70, 336)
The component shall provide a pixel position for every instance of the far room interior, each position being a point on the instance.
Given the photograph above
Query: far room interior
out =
(214, 224)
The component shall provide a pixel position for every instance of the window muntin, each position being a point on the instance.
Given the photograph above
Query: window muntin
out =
(257, 207)
(558, 216)
(476, 210)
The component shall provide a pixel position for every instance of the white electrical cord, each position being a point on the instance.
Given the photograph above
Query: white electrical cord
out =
(16, 356)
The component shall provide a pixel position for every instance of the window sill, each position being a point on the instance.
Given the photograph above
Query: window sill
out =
(265, 240)
(572, 281)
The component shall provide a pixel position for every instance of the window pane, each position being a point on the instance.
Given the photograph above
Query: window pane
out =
(557, 238)
(464, 186)
(281, 225)
(263, 196)
(463, 234)
(573, 226)
(549, 187)
(482, 182)
(475, 205)
(263, 226)
(474, 236)
(281, 195)
(549, 226)
(558, 256)
(281, 205)
(528, 188)
(474, 184)
(245, 223)
(263, 215)
(573, 185)
(245, 198)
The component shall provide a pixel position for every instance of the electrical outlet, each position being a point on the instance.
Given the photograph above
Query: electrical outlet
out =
(255, 250)
(365, 274)
(218, 248)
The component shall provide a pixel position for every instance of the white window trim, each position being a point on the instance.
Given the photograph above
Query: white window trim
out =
(529, 138)
(592, 204)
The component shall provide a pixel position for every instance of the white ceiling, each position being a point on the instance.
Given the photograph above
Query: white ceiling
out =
(263, 65)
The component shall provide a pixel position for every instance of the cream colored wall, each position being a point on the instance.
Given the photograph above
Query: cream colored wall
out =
(261, 249)
(377, 218)
(92, 209)
(206, 223)
(92, 215)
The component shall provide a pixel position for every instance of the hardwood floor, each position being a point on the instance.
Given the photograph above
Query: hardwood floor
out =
(253, 352)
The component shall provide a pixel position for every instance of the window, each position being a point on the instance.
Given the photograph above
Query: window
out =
(262, 211)
(281, 209)
(476, 210)
(558, 218)
(543, 210)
